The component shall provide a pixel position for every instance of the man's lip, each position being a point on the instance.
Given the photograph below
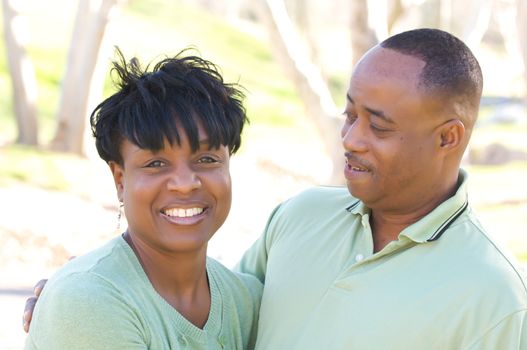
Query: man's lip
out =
(354, 163)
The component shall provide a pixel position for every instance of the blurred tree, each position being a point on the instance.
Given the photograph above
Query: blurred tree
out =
(22, 73)
(82, 82)
(521, 24)
(306, 76)
(470, 20)
(363, 37)
(395, 11)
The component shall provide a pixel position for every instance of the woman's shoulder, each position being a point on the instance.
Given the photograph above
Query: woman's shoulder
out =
(99, 268)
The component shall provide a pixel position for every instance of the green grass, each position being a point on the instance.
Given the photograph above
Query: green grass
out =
(241, 57)
(38, 168)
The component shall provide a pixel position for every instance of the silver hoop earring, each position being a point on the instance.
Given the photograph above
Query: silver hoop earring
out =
(119, 214)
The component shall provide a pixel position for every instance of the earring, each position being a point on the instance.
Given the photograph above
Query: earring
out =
(119, 214)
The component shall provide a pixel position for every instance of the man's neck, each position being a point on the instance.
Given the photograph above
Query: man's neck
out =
(386, 225)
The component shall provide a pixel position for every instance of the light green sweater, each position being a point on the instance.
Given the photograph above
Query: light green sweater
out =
(104, 300)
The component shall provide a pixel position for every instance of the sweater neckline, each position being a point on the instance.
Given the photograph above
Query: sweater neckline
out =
(181, 324)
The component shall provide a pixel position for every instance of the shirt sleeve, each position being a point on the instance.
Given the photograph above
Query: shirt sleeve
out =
(510, 333)
(254, 260)
(84, 311)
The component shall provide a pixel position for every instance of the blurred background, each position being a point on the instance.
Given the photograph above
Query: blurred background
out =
(294, 58)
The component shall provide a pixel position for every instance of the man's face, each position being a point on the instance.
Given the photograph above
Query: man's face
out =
(174, 199)
(390, 135)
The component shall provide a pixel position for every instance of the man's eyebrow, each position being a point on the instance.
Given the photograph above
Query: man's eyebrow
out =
(379, 114)
(374, 112)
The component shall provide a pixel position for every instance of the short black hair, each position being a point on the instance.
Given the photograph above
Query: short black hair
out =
(450, 66)
(181, 91)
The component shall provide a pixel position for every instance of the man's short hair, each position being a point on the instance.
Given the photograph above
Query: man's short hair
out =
(150, 105)
(450, 67)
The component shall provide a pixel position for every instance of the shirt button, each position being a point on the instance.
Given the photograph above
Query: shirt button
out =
(359, 257)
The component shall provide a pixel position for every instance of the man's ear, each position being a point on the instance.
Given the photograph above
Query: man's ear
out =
(118, 178)
(452, 134)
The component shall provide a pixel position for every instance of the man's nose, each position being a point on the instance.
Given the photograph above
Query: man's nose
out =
(183, 179)
(354, 136)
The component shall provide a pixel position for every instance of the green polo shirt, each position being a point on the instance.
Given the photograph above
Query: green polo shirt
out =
(444, 284)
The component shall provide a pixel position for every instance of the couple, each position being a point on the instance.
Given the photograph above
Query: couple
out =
(397, 260)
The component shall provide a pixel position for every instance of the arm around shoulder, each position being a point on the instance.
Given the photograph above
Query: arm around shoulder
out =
(83, 311)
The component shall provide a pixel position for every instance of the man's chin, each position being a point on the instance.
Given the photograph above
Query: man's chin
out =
(356, 191)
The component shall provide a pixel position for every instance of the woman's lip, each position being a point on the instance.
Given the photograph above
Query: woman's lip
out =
(187, 220)
(183, 212)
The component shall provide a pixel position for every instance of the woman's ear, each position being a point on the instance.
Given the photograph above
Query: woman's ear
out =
(118, 178)
(452, 134)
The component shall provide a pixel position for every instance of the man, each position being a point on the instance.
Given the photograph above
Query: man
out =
(402, 263)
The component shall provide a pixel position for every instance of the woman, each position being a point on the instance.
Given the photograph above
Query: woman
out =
(167, 136)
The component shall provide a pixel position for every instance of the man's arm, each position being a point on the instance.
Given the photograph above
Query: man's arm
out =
(32, 301)
(254, 261)
(30, 304)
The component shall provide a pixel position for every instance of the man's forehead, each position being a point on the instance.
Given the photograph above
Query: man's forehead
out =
(388, 63)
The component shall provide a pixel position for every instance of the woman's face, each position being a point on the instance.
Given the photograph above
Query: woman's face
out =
(174, 199)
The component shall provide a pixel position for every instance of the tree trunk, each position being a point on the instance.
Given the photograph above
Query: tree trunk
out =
(395, 11)
(362, 36)
(470, 20)
(521, 23)
(79, 83)
(430, 11)
(307, 78)
(22, 75)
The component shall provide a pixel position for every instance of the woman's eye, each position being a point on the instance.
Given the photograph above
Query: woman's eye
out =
(207, 160)
(155, 164)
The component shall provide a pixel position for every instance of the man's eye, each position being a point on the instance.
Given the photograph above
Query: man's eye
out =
(155, 164)
(377, 129)
(350, 118)
(207, 160)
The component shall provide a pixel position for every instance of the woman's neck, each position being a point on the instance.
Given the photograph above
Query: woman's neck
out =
(181, 279)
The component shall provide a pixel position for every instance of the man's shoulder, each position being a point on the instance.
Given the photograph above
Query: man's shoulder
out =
(319, 197)
(237, 282)
(484, 258)
(240, 291)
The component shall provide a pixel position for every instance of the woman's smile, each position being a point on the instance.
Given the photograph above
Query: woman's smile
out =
(185, 216)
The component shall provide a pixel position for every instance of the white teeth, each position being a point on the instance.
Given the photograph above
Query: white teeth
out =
(358, 169)
(183, 213)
